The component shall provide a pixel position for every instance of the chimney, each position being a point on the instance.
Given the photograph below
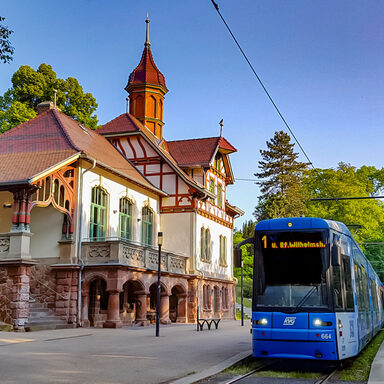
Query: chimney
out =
(44, 107)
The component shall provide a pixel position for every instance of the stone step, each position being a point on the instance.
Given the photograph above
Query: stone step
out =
(46, 326)
(39, 310)
(41, 317)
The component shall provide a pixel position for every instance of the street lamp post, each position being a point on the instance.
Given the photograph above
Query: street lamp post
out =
(159, 243)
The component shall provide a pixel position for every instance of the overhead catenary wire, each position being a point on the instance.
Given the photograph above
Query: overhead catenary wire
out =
(268, 95)
(262, 85)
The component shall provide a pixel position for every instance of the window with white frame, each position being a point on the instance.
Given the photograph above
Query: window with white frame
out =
(220, 195)
(205, 245)
(125, 218)
(147, 226)
(223, 251)
(98, 222)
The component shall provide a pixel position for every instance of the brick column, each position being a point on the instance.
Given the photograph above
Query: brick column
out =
(66, 293)
(181, 316)
(141, 311)
(164, 308)
(85, 307)
(18, 273)
(192, 300)
(113, 319)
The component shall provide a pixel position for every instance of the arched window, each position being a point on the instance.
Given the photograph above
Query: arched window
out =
(99, 204)
(208, 244)
(202, 244)
(147, 226)
(205, 244)
(223, 251)
(125, 218)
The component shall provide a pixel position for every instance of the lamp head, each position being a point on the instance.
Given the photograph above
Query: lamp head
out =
(160, 238)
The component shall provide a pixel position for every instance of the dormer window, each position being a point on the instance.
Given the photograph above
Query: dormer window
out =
(218, 162)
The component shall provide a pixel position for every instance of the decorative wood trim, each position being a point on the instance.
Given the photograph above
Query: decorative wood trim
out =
(215, 218)
(121, 147)
(142, 146)
(132, 148)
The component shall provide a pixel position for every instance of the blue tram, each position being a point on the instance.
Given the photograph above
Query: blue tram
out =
(315, 295)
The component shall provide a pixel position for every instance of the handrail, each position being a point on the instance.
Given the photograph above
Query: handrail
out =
(39, 281)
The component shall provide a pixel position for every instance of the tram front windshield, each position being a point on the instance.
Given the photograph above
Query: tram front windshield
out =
(291, 271)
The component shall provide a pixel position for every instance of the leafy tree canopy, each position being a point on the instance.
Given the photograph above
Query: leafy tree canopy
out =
(32, 87)
(282, 193)
(348, 181)
(238, 236)
(6, 49)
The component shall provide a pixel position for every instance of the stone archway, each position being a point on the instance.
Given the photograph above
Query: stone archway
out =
(133, 303)
(178, 305)
(98, 303)
(152, 304)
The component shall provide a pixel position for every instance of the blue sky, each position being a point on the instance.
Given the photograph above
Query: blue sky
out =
(321, 60)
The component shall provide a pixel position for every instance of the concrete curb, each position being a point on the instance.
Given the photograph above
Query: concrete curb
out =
(212, 370)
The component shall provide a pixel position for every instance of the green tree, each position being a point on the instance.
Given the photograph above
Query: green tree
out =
(30, 87)
(247, 254)
(6, 49)
(349, 181)
(282, 193)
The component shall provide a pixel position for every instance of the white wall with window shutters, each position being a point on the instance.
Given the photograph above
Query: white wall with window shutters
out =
(115, 192)
(216, 230)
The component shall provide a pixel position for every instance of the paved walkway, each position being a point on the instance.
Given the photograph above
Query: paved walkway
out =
(121, 356)
(377, 369)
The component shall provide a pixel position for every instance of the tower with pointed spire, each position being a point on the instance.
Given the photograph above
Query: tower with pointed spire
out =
(146, 88)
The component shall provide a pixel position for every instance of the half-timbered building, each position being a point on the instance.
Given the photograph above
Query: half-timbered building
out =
(80, 211)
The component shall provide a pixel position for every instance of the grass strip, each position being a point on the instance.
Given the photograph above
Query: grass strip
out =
(359, 368)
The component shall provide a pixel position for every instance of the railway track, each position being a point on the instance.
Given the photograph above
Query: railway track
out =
(324, 380)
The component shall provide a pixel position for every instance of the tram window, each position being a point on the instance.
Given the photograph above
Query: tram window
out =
(359, 291)
(364, 283)
(337, 288)
(348, 282)
(375, 304)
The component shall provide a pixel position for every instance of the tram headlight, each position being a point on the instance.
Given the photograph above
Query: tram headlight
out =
(262, 321)
(319, 323)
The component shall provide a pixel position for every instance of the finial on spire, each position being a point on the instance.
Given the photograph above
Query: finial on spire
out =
(221, 123)
(127, 106)
(147, 43)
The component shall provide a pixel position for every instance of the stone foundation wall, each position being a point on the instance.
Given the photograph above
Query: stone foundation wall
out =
(43, 285)
(14, 295)
(6, 283)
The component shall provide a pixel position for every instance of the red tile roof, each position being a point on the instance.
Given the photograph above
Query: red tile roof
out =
(147, 72)
(127, 124)
(52, 137)
(198, 151)
(121, 124)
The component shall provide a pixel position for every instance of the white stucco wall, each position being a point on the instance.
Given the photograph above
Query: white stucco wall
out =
(177, 232)
(216, 229)
(116, 191)
(46, 227)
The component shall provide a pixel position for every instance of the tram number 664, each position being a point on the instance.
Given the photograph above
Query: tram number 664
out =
(326, 336)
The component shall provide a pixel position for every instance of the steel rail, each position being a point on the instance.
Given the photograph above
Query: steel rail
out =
(325, 379)
(259, 368)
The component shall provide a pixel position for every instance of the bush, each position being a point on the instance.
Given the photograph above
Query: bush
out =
(247, 288)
